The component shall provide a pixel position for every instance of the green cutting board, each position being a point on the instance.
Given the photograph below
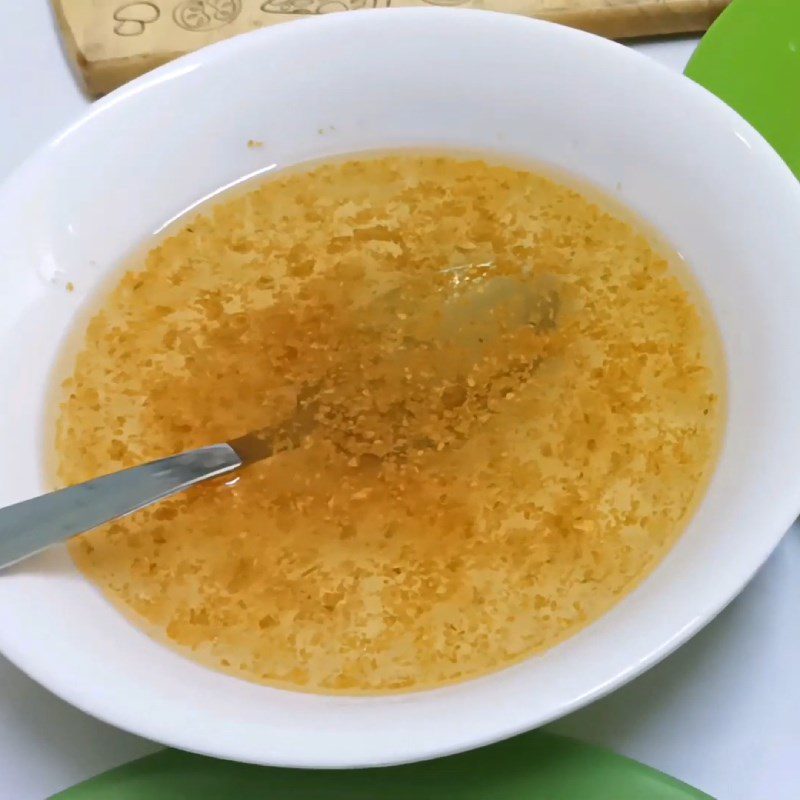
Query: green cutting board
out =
(535, 766)
(750, 58)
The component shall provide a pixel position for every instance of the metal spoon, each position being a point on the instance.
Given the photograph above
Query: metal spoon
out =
(32, 525)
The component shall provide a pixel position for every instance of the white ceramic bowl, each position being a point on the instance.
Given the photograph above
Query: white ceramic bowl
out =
(352, 82)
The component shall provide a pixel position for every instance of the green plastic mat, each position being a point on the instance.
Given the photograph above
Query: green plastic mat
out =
(536, 766)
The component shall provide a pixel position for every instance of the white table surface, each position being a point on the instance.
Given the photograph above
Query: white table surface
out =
(722, 714)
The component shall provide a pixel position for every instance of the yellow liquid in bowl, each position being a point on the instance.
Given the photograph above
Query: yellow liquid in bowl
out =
(483, 478)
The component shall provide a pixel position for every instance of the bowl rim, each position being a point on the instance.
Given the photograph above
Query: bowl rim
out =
(140, 721)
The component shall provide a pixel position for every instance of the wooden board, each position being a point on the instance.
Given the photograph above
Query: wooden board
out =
(112, 41)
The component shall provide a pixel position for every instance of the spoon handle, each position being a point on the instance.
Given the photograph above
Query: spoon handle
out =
(30, 526)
